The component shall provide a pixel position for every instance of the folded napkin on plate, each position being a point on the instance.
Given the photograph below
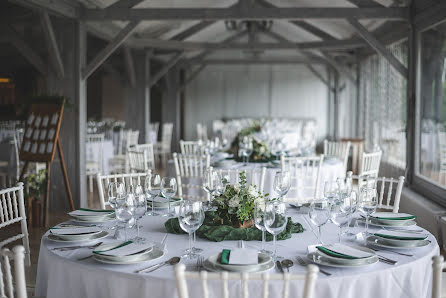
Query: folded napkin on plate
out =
(91, 212)
(343, 251)
(124, 249)
(401, 235)
(239, 256)
(393, 216)
(74, 231)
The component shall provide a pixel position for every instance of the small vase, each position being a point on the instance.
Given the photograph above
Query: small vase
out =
(243, 225)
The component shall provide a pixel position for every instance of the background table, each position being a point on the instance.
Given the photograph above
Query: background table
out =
(61, 275)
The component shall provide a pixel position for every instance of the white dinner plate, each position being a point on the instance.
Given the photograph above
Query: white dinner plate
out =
(263, 259)
(101, 235)
(163, 204)
(351, 262)
(319, 259)
(128, 258)
(372, 222)
(154, 254)
(393, 243)
(262, 268)
(94, 218)
(77, 237)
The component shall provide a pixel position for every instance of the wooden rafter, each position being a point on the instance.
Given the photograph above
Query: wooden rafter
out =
(53, 49)
(282, 60)
(338, 66)
(379, 47)
(68, 9)
(192, 76)
(254, 13)
(166, 68)
(124, 4)
(365, 3)
(109, 49)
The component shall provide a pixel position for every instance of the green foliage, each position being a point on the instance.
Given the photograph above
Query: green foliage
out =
(37, 183)
(261, 152)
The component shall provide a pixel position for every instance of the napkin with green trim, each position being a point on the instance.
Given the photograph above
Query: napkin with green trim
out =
(91, 212)
(239, 256)
(343, 251)
(396, 235)
(393, 216)
(74, 231)
(124, 249)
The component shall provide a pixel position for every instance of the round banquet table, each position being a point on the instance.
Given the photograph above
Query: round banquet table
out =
(61, 274)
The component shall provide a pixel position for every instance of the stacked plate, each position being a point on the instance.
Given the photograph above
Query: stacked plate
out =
(265, 263)
(398, 239)
(92, 215)
(124, 253)
(162, 203)
(76, 234)
(339, 255)
(389, 219)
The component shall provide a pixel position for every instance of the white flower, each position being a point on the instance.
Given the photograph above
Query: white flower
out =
(237, 187)
(260, 203)
(234, 202)
(262, 149)
(252, 191)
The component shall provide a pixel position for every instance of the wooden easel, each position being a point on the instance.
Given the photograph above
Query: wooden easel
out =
(39, 144)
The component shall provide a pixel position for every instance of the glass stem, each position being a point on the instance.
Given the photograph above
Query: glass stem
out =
(367, 225)
(274, 244)
(137, 228)
(194, 239)
(263, 239)
(190, 244)
(153, 204)
(125, 231)
(340, 233)
(168, 210)
(319, 228)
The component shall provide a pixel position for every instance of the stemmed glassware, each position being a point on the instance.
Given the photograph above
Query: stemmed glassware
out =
(140, 210)
(281, 183)
(125, 209)
(168, 190)
(152, 186)
(246, 148)
(190, 217)
(331, 190)
(275, 220)
(368, 200)
(213, 184)
(112, 192)
(259, 221)
(340, 211)
(319, 215)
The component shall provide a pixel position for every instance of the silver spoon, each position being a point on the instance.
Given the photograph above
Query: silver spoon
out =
(172, 261)
(287, 263)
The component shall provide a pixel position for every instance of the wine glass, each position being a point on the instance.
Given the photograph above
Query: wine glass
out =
(113, 189)
(281, 183)
(152, 185)
(331, 190)
(212, 183)
(275, 220)
(344, 187)
(319, 215)
(168, 190)
(140, 210)
(125, 209)
(246, 148)
(259, 215)
(368, 201)
(340, 213)
(190, 217)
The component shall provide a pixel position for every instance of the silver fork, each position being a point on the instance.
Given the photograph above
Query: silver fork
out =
(393, 251)
(200, 262)
(302, 262)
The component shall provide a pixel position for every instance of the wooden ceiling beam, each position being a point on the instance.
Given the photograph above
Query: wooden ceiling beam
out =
(53, 48)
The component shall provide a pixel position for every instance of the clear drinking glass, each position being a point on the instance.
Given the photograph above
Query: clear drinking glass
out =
(212, 183)
(281, 183)
(368, 201)
(190, 217)
(275, 220)
(152, 186)
(246, 148)
(259, 215)
(340, 213)
(125, 209)
(112, 191)
(168, 190)
(319, 215)
(331, 190)
(140, 210)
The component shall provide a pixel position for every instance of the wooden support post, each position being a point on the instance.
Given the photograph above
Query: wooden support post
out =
(25, 167)
(336, 106)
(53, 49)
(65, 174)
(46, 215)
(129, 66)
(147, 87)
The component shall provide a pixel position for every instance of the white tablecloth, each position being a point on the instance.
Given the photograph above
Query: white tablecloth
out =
(107, 153)
(61, 275)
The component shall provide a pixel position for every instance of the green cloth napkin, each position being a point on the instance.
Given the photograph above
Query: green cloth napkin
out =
(120, 245)
(225, 256)
(399, 237)
(217, 233)
(335, 254)
(97, 210)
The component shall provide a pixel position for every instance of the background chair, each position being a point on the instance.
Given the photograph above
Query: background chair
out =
(337, 149)
(253, 176)
(305, 176)
(95, 146)
(119, 163)
(163, 149)
(128, 179)
(182, 276)
(438, 264)
(141, 158)
(370, 164)
(202, 132)
(190, 147)
(190, 170)
(12, 210)
(12, 286)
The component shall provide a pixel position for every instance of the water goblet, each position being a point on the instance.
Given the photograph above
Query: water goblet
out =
(259, 221)
(113, 189)
(275, 220)
(168, 190)
(319, 215)
(140, 210)
(152, 185)
(125, 209)
(190, 217)
(367, 204)
(340, 213)
(331, 190)
(281, 183)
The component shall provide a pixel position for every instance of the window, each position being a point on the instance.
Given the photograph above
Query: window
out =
(431, 165)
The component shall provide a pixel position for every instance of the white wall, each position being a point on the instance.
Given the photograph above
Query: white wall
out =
(229, 91)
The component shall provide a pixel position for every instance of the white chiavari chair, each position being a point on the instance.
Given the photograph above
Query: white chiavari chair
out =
(190, 147)
(337, 149)
(163, 149)
(12, 285)
(438, 264)
(154, 129)
(141, 158)
(202, 132)
(442, 156)
(190, 170)
(95, 148)
(12, 210)
(305, 174)
(182, 277)
(253, 176)
(370, 164)
(119, 163)
(127, 179)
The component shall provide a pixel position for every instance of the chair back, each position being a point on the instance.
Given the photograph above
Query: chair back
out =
(202, 132)
(438, 265)
(141, 158)
(190, 147)
(339, 150)
(127, 179)
(154, 129)
(305, 174)
(94, 154)
(166, 137)
(132, 138)
(370, 164)
(12, 285)
(12, 210)
(230, 279)
(190, 170)
(442, 149)
(253, 176)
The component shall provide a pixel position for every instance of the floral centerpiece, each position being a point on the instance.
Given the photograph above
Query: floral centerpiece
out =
(261, 151)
